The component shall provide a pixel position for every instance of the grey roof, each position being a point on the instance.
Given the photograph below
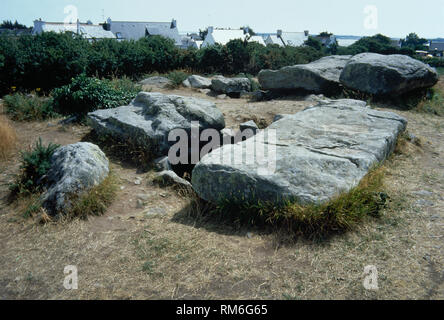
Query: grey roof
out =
(95, 32)
(294, 39)
(274, 39)
(438, 46)
(88, 31)
(137, 30)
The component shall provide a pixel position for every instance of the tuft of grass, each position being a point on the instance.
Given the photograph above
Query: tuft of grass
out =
(95, 201)
(314, 221)
(177, 77)
(29, 107)
(125, 84)
(8, 138)
(31, 205)
(35, 164)
(434, 104)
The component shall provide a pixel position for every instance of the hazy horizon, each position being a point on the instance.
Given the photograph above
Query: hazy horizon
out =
(343, 17)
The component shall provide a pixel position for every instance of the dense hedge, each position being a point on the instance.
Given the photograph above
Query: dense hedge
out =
(51, 60)
(377, 44)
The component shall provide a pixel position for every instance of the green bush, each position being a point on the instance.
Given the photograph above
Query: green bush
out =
(376, 44)
(251, 57)
(177, 77)
(29, 107)
(43, 61)
(35, 164)
(86, 94)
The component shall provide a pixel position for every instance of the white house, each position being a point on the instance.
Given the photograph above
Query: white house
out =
(274, 39)
(132, 30)
(86, 30)
(257, 39)
(223, 36)
(293, 39)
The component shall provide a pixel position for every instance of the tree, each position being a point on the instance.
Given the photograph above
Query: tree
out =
(250, 30)
(414, 42)
(314, 43)
(7, 24)
(203, 33)
(325, 34)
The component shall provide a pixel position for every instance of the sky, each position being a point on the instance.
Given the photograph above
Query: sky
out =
(394, 18)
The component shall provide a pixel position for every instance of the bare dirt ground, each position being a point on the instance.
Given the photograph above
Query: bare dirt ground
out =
(159, 252)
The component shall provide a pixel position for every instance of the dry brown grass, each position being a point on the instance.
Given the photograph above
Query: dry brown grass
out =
(163, 251)
(8, 137)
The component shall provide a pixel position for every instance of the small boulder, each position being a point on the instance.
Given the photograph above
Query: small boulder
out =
(249, 125)
(157, 82)
(199, 82)
(205, 91)
(170, 178)
(231, 86)
(162, 164)
(186, 83)
(75, 169)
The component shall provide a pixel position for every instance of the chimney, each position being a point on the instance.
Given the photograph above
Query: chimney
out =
(173, 24)
(210, 30)
(78, 26)
(306, 32)
(279, 33)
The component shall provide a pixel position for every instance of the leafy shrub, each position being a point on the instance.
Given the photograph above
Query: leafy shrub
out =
(86, 94)
(8, 138)
(29, 107)
(35, 164)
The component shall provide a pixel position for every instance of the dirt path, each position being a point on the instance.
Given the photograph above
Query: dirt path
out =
(159, 252)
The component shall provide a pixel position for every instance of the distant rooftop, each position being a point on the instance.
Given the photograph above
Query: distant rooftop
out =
(87, 30)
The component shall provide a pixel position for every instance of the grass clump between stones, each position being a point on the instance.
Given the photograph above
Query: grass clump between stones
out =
(313, 221)
(95, 201)
(177, 78)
